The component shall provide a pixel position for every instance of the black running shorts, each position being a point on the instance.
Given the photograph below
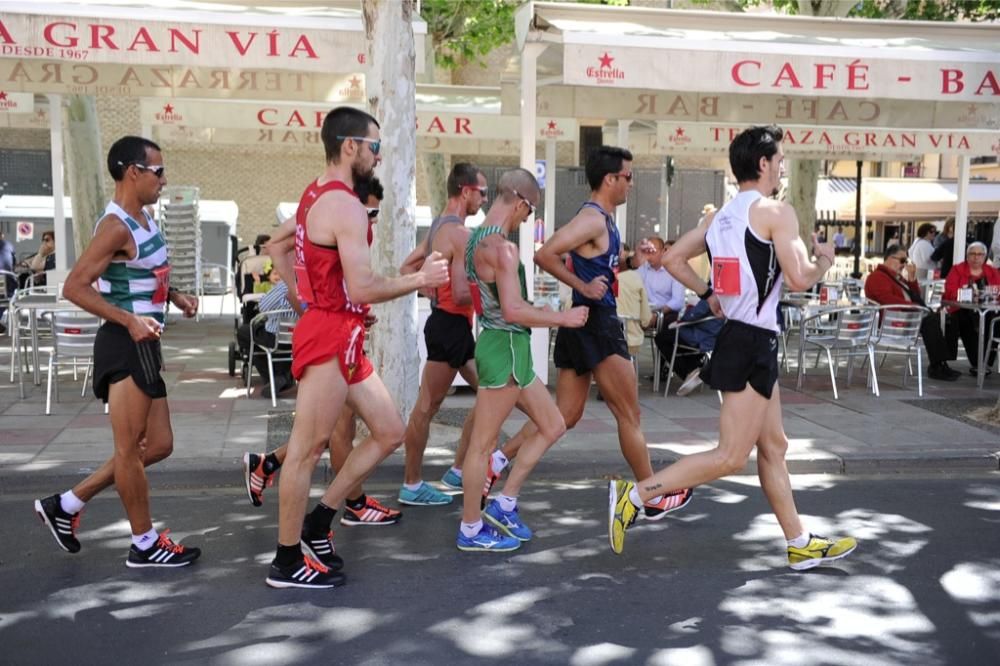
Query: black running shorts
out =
(449, 338)
(743, 354)
(117, 356)
(583, 349)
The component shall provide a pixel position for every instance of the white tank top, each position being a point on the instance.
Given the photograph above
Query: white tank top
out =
(745, 272)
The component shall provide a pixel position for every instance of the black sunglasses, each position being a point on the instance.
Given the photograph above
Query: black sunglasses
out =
(626, 176)
(372, 212)
(531, 206)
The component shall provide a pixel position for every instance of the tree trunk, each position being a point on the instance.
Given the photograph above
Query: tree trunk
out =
(802, 180)
(84, 167)
(435, 165)
(391, 89)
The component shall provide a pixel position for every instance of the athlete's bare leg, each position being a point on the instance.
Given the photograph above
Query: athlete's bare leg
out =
(741, 419)
(372, 402)
(536, 402)
(434, 384)
(615, 377)
(342, 443)
(322, 393)
(773, 470)
(491, 410)
(129, 412)
(468, 372)
(154, 447)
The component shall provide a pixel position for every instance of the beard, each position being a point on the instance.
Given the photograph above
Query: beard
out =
(360, 173)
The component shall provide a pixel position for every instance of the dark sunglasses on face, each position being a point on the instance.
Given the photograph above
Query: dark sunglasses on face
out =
(531, 206)
(374, 144)
(626, 176)
(901, 260)
(155, 170)
(372, 212)
(482, 190)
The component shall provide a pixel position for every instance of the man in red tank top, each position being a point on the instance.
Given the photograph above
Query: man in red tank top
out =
(334, 276)
(447, 333)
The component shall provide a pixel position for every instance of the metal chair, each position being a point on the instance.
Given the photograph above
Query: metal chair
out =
(899, 333)
(993, 339)
(216, 280)
(853, 290)
(73, 333)
(281, 352)
(686, 350)
(845, 331)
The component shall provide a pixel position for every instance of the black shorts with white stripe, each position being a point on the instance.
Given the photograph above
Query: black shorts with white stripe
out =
(117, 356)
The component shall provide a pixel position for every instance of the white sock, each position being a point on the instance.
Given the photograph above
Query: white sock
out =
(456, 471)
(498, 461)
(507, 503)
(70, 503)
(633, 496)
(145, 541)
(801, 541)
(413, 486)
(470, 530)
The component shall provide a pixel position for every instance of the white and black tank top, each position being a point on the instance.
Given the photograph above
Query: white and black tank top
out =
(745, 272)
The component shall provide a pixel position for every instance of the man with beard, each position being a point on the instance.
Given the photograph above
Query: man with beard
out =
(127, 259)
(334, 276)
(754, 245)
(598, 349)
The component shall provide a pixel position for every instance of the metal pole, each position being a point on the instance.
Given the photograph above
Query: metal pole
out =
(857, 225)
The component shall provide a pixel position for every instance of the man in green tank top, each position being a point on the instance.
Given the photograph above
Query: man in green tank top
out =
(128, 259)
(503, 362)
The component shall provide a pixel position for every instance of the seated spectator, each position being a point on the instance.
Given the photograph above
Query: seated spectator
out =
(666, 294)
(975, 273)
(265, 333)
(922, 249)
(633, 306)
(41, 261)
(699, 336)
(893, 282)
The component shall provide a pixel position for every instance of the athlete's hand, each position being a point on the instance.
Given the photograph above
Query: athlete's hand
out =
(187, 303)
(823, 249)
(576, 317)
(596, 288)
(435, 270)
(143, 329)
(715, 306)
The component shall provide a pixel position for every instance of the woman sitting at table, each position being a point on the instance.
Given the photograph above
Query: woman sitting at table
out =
(976, 274)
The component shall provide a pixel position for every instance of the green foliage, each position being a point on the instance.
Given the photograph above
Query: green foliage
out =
(467, 30)
(912, 10)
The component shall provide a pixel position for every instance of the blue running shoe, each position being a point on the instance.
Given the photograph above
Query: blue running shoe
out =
(425, 495)
(488, 539)
(452, 480)
(507, 522)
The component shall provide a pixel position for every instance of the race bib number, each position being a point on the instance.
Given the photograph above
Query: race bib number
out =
(302, 284)
(162, 274)
(726, 276)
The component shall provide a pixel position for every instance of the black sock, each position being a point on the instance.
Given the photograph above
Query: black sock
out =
(286, 556)
(320, 519)
(358, 503)
(271, 464)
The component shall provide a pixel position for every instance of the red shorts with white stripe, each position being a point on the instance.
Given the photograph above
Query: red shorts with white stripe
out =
(322, 335)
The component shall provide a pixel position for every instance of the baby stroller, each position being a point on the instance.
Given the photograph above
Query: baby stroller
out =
(245, 265)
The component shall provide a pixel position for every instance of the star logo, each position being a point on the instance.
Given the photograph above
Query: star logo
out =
(355, 82)
(971, 109)
(168, 108)
(606, 60)
(3, 95)
(552, 124)
(679, 131)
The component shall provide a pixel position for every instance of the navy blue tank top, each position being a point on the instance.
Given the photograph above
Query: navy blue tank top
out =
(603, 264)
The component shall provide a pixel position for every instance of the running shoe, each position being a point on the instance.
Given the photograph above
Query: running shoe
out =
(372, 513)
(255, 478)
(621, 513)
(425, 495)
(488, 539)
(62, 525)
(320, 548)
(691, 382)
(307, 573)
(672, 502)
(164, 553)
(508, 522)
(819, 550)
(452, 480)
(491, 478)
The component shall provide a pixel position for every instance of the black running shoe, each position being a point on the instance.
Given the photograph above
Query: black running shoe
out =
(164, 553)
(62, 525)
(320, 548)
(255, 477)
(307, 573)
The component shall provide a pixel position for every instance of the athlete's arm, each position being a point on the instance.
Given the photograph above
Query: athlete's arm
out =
(335, 218)
(281, 249)
(800, 273)
(689, 246)
(586, 227)
(458, 236)
(503, 259)
(412, 263)
(112, 238)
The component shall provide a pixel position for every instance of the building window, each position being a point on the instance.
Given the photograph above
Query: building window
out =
(986, 159)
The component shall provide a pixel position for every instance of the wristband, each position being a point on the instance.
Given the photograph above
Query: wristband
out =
(708, 292)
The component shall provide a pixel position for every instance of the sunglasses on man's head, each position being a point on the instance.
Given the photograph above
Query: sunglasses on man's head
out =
(374, 144)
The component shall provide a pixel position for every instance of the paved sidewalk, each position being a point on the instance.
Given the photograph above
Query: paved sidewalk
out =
(214, 423)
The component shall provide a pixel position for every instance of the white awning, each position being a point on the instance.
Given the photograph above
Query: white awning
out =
(903, 199)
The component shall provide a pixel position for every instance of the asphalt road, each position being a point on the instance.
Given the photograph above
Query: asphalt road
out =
(705, 586)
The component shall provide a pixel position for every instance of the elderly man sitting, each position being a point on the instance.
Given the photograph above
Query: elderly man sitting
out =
(893, 282)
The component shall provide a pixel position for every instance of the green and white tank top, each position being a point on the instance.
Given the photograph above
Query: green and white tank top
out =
(485, 294)
(138, 285)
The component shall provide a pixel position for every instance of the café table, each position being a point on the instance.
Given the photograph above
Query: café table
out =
(981, 309)
(32, 304)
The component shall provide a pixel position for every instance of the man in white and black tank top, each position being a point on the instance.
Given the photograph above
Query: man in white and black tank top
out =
(127, 258)
(754, 245)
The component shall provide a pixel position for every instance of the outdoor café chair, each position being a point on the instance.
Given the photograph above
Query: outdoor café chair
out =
(73, 334)
(845, 331)
(281, 352)
(899, 333)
